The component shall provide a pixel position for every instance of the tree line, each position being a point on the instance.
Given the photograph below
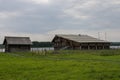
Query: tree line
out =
(41, 44)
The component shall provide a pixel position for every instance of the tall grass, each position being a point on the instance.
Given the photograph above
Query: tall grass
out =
(63, 65)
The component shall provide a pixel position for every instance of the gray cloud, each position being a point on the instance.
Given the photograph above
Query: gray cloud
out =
(38, 17)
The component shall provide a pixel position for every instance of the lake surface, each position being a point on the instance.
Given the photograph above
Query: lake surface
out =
(115, 47)
(41, 49)
(35, 49)
(2, 50)
(51, 48)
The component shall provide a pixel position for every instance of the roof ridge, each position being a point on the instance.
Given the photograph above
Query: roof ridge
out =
(17, 40)
(82, 38)
(15, 37)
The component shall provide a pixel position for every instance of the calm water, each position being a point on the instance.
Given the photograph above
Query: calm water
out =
(2, 50)
(51, 48)
(115, 47)
(34, 49)
(41, 49)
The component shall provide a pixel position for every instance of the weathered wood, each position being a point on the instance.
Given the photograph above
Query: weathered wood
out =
(17, 44)
(63, 43)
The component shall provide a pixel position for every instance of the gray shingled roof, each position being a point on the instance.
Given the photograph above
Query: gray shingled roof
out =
(18, 40)
(82, 38)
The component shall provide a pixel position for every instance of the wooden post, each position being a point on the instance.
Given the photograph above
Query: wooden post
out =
(80, 47)
(103, 47)
(88, 47)
(96, 48)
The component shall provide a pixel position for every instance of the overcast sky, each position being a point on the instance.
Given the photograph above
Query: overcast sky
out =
(42, 19)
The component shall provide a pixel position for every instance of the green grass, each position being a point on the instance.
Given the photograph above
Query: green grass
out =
(62, 65)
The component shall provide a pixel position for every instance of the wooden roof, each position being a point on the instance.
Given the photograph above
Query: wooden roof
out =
(17, 40)
(82, 38)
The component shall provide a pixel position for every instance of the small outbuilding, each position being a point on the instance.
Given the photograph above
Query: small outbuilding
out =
(17, 44)
(79, 42)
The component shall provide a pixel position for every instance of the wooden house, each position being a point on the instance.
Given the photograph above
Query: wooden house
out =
(17, 44)
(79, 42)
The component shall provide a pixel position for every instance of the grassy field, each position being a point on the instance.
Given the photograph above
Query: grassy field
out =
(62, 65)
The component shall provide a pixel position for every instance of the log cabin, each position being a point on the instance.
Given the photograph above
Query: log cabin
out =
(17, 44)
(79, 42)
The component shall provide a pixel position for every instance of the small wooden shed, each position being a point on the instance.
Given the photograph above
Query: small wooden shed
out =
(17, 44)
